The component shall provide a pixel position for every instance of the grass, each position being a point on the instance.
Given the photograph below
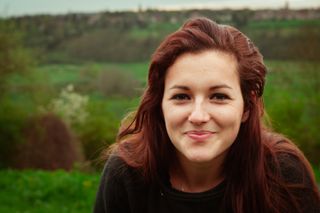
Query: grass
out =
(50, 192)
(58, 191)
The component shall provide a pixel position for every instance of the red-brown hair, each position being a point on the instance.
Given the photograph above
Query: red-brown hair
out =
(252, 166)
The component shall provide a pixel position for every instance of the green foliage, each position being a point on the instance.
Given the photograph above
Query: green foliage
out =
(138, 70)
(292, 98)
(101, 128)
(13, 57)
(129, 36)
(298, 42)
(98, 132)
(317, 173)
(110, 44)
(51, 192)
(12, 121)
(282, 24)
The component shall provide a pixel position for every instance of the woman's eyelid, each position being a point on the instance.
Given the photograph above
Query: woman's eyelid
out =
(180, 96)
(220, 95)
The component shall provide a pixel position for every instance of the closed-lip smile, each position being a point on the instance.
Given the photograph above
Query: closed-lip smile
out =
(199, 135)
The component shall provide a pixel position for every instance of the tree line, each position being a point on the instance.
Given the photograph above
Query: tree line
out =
(133, 36)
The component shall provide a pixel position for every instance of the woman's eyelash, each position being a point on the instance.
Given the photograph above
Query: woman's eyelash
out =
(219, 96)
(215, 96)
(180, 97)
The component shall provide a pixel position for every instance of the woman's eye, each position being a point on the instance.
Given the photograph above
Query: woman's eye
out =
(180, 97)
(219, 97)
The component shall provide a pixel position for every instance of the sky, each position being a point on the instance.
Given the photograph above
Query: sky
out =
(31, 7)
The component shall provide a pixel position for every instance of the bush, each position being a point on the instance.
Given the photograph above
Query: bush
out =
(49, 145)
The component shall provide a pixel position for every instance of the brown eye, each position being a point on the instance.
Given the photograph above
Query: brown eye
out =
(180, 97)
(219, 96)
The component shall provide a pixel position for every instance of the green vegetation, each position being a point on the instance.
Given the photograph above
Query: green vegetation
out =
(131, 37)
(291, 98)
(51, 192)
(287, 24)
(14, 59)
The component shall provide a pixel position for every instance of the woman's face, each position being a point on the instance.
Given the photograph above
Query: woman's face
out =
(203, 105)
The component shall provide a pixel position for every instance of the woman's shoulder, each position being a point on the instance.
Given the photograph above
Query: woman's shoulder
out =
(294, 169)
(115, 166)
(116, 170)
(115, 162)
(117, 182)
(289, 160)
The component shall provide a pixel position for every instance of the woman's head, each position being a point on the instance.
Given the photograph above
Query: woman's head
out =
(194, 37)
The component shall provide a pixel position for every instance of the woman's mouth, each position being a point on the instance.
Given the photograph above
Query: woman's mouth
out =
(199, 135)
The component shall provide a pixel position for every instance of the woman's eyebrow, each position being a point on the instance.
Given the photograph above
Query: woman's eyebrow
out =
(180, 87)
(219, 86)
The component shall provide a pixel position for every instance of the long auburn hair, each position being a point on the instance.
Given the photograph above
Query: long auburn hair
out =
(252, 168)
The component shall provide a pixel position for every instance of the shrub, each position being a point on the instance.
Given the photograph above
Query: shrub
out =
(49, 145)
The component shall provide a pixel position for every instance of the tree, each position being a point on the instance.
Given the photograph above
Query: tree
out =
(13, 57)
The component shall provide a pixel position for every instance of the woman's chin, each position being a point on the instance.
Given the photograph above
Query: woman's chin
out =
(199, 158)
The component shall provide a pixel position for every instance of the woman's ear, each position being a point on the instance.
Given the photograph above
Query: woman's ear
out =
(245, 116)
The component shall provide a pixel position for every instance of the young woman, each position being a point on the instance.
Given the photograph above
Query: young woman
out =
(197, 143)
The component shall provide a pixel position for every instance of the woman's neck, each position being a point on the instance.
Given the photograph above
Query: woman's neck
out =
(196, 177)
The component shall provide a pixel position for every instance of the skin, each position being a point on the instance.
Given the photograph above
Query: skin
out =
(203, 108)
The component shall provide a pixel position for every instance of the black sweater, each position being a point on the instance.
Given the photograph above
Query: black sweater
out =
(122, 190)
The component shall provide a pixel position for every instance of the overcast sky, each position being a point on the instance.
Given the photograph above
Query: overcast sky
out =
(27, 7)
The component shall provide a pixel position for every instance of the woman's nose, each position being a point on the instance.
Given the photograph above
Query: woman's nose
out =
(199, 114)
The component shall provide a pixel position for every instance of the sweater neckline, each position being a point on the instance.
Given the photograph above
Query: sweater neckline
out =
(167, 190)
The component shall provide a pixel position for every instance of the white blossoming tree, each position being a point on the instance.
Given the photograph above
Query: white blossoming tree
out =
(70, 106)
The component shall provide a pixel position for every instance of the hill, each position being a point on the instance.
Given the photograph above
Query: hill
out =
(133, 36)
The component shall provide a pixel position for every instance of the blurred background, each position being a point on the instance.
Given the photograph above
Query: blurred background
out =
(71, 70)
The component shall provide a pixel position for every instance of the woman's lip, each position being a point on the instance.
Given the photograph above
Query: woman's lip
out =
(199, 135)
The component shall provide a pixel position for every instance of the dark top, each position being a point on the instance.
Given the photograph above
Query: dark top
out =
(122, 190)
